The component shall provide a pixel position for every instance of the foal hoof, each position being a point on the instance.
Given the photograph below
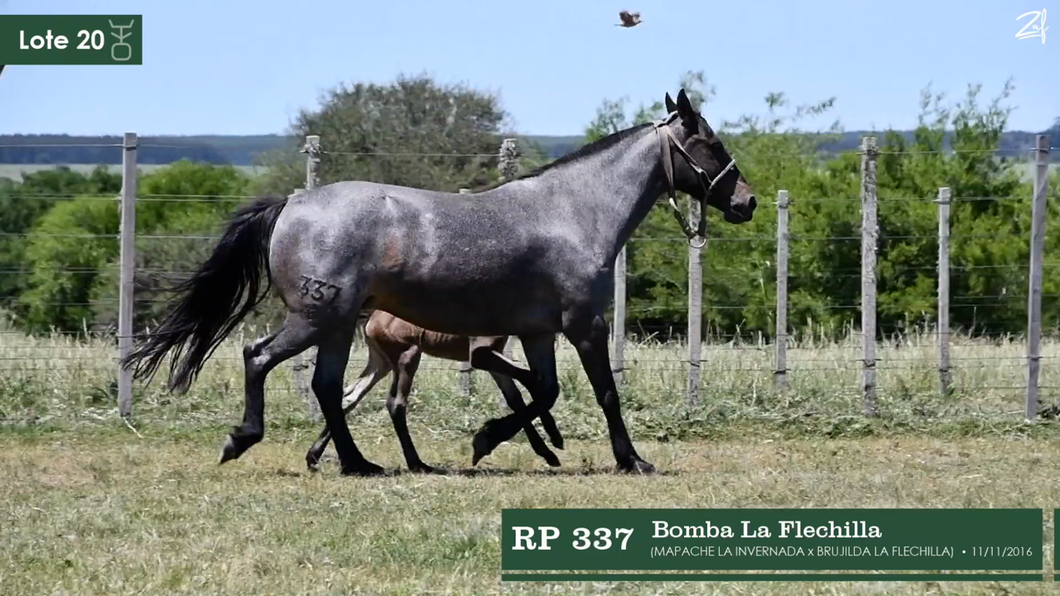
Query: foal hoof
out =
(366, 468)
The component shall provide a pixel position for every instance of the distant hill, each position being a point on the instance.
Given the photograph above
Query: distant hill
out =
(241, 150)
(65, 149)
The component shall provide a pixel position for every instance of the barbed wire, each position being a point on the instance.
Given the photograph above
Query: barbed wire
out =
(792, 200)
(20, 354)
(883, 151)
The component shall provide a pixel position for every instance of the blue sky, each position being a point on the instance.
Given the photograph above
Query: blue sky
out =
(246, 67)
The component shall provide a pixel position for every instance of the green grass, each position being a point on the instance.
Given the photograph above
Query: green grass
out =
(105, 512)
(90, 507)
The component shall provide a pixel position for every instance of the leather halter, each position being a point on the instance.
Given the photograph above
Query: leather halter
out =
(666, 141)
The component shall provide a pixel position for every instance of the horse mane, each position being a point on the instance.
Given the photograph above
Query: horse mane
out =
(573, 156)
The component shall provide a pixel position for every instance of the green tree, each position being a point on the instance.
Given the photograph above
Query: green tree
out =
(953, 145)
(66, 251)
(21, 207)
(72, 252)
(990, 217)
(411, 132)
(180, 213)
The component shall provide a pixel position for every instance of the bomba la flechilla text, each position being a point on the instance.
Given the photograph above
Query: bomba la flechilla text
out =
(784, 529)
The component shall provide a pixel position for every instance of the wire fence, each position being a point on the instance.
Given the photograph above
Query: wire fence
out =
(1000, 367)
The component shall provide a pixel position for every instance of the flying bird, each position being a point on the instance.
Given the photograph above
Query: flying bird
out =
(629, 19)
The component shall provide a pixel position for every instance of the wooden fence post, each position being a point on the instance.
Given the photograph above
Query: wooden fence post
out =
(695, 311)
(1034, 293)
(869, 235)
(465, 366)
(943, 326)
(509, 166)
(127, 271)
(618, 325)
(780, 376)
(303, 365)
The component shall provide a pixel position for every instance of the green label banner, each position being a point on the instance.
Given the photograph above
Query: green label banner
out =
(771, 539)
(71, 39)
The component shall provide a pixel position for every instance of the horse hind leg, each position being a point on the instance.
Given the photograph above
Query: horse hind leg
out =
(374, 370)
(259, 358)
(333, 353)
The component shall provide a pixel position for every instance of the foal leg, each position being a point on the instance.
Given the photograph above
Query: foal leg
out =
(374, 371)
(396, 404)
(259, 358)
(540, 352)
(333, 353)
(590, 339)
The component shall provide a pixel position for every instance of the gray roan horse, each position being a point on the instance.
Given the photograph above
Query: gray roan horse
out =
(531, 258)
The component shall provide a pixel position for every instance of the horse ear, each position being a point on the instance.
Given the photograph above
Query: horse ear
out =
(671, 107)
(686, 111)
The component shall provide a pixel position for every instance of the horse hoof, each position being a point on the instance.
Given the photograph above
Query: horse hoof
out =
(482, 448)
(422, 468)
(229, 450)
(312, 462)
(555, 438)
(552, 460)
(637, 466)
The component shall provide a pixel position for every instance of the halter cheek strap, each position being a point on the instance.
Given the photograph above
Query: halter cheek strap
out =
(666, 142)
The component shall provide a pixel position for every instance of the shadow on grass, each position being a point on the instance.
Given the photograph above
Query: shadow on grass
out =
(487, 472)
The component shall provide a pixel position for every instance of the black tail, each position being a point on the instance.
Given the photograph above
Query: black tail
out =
(215, 298)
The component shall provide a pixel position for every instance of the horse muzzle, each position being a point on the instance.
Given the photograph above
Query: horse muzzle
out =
(741, 213)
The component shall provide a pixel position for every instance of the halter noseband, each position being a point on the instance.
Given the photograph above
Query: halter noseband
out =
(666, 141)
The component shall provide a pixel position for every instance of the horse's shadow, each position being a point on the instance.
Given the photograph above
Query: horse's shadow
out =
(485, 472)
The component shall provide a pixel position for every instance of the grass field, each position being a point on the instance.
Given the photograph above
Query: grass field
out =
(90, 507)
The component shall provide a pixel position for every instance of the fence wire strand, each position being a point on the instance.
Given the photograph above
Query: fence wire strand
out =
(907, 351)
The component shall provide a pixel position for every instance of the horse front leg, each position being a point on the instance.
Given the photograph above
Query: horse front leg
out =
(589, 337)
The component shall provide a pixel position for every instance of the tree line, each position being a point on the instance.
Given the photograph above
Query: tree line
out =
(59, 247)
